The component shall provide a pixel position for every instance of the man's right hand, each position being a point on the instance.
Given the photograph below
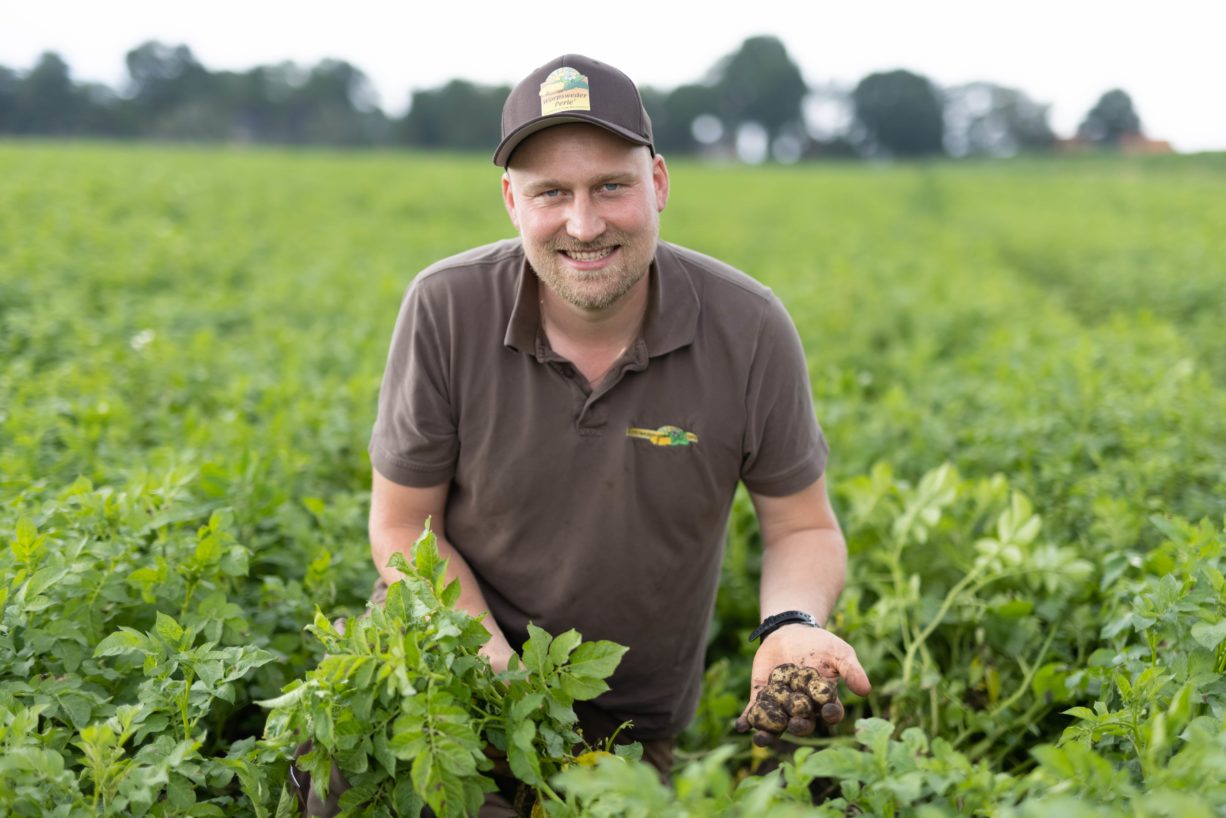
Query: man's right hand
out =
(498, 654)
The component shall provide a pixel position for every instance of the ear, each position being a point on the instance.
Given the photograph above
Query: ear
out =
(508, 199)
(659, 180)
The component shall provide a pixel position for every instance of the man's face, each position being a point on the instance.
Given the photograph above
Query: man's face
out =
(587, 205)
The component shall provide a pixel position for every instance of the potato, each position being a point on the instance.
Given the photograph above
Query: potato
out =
(832, 712)
(782, 675)
(801, 727)
(803, 677)
(800, 706)
(765, 715)
(776, 694)
(791, 701)
(822, 690)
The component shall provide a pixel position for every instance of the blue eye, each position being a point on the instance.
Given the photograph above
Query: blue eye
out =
(609, 187)
(551, 194)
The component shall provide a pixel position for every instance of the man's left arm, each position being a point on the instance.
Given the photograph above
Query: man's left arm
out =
(804, 562)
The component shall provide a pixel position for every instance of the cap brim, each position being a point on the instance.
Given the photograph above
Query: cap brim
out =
(508, 145)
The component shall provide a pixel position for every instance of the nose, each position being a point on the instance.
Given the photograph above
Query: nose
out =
(583, 221)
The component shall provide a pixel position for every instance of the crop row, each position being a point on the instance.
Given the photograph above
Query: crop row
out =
(1016, 367)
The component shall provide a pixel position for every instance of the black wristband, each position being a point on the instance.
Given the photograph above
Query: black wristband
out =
(776, 621)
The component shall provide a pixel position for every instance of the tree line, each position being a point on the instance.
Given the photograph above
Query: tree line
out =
(753, 103)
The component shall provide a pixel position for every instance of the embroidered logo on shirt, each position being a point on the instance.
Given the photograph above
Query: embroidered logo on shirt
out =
(565, 90)
(664, 436)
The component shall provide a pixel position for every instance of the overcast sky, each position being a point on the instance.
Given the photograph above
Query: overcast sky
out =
(1168, 55)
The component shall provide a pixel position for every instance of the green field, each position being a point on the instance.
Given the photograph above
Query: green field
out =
(1020, 366)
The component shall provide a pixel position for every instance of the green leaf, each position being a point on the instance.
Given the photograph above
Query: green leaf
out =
(906, 787)
(1180, 709)
(289, 697)
(78, 707)
(236, 561)
(839, 763)
(1013, 609)
(124, 640)
(27, 545)
(318, 765)
(208, 551)
(383, 753)
(167, 628)
(875, 734)
(1209, 636)
(406, 799)
(362, 703)
(426, 558)
(535, 652)
(524, 708)
(445, 753)
(581, 689)
(595, 660)
(522, 755)
(1051, 682)
(563, 645)
(338, 668)
(210, 672)
(324, 727)
(1081, 713)
(450, 594)
(365, 674)
(401, 564)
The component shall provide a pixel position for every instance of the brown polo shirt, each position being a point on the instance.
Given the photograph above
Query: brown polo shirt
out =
(603, 511)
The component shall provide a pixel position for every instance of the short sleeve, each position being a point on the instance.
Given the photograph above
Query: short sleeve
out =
(414, 441)
(784, 449)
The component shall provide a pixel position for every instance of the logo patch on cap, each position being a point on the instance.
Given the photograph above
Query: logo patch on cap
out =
(565, 90)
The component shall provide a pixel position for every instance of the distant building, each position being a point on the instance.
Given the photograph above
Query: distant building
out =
(1137, 144)
(1073, 144)
(1131, 144)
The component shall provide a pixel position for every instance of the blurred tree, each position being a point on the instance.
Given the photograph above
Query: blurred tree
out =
(10, 83)
(265, 107)
(460, 115)
(341, 106)
(1111, 119)
(673, 113)
(901, 113)
(760, 83)
(171, 95)
(162, 77)
(46, 101)
(983, 119)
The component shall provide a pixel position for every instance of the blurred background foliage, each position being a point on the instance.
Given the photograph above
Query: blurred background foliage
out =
(752, 105)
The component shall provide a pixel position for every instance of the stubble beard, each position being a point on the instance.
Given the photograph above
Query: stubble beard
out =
(594, 290)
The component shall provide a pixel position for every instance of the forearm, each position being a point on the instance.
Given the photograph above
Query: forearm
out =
(804, 563)
(390, 539)
(803, 570)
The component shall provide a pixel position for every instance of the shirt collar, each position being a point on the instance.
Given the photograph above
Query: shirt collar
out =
(672, 307)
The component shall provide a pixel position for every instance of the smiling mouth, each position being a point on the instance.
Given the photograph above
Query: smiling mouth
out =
(588, 255)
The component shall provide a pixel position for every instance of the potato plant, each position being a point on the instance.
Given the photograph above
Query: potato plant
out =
(411, 715)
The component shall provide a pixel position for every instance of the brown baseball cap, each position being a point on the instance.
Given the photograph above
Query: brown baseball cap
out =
(573, 88)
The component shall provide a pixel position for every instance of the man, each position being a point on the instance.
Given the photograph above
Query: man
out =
(573, 410)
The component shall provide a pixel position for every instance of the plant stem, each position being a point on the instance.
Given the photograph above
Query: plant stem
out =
(950, 598)
(1011, 727)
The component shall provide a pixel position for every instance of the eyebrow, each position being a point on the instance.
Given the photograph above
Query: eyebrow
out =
(550, 184)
